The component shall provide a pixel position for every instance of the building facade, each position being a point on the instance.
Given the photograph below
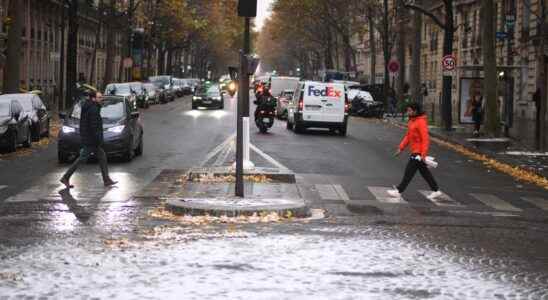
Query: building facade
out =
(44, 37)
(517, 54)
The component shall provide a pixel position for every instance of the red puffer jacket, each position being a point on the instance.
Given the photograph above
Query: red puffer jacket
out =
(417, 137)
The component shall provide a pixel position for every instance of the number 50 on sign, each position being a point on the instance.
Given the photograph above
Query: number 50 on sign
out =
(449, 63)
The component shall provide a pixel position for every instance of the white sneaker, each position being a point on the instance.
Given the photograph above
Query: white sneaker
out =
(394, 193)
(435, 195)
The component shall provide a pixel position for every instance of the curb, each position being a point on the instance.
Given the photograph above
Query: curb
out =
(233, 207)
(276, 175)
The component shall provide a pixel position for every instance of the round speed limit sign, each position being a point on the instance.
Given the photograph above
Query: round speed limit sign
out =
(449, 62)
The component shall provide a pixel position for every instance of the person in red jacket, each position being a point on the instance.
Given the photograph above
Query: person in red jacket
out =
(418, 141)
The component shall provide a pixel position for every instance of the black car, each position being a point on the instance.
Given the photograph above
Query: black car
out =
(208, 97)
(123, 131)
(14, 126)
(36, 111)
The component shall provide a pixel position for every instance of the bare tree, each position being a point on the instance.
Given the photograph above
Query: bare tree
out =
(448, 26)
(12, 70)
(488, 24)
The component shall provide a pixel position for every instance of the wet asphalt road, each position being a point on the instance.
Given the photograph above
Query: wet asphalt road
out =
(487, 241)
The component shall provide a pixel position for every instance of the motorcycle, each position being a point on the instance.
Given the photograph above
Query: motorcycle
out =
(264, 114)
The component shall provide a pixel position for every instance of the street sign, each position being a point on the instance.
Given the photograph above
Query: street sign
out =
(393, 66)
(500, 35)
(449, 63)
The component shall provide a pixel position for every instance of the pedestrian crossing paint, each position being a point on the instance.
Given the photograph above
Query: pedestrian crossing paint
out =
(537, 201)
(495, 202)
(327, 192)
(443, 200)
(382, 195)
(342, 193)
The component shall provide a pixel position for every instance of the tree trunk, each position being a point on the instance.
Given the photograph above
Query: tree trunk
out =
(161, 61)
(372, 47)
(416, 56)
(541, 84)
(446, 101)
(97, 41)
(109, 61)
(386, 51)
(328, 56)
(12, 69)
(72, 53)
(489, 67)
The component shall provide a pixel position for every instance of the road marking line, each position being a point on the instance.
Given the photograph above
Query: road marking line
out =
(537, 201)
(495, 202)
(217, 149)
(342, 193)
(327, 192)
(381, 195)
(443, 200)
(223, 155)
(267, 157)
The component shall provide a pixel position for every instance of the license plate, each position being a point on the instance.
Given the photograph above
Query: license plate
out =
(207, 102)
(266, 120)
(313, 107)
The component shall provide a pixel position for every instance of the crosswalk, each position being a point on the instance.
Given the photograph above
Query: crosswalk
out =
(481, 201)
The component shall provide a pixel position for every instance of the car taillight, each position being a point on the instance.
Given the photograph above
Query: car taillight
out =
(301, 104)
(346, 104)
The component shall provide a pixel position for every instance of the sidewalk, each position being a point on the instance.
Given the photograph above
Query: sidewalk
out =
(516, 155)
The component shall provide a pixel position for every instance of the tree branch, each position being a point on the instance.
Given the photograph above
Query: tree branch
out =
(428, 14)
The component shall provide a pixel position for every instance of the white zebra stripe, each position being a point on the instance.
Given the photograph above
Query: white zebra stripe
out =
(537, 201)
(495, 202)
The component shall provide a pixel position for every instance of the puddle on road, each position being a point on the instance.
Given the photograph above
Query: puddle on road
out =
(202, 263)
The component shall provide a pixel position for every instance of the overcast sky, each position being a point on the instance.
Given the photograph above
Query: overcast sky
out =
(263, 12)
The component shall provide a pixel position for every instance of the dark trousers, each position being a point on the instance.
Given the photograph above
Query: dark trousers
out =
(412, 166)
(85, 153)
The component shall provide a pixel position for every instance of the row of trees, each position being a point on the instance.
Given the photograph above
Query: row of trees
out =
(314, 34)
(203, 34)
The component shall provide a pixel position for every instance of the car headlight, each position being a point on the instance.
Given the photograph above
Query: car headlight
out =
(3, 129)
(116, 129)
(196, 98)
(217, 98)
(67, 129)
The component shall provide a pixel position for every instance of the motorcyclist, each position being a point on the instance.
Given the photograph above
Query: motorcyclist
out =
(262, 99)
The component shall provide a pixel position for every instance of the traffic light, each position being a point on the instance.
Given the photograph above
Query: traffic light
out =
(247, 8)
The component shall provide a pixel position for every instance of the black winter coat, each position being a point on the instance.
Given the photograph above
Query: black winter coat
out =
(91, 124)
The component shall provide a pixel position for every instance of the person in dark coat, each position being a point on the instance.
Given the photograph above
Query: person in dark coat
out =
(477, 113)
(91, 134)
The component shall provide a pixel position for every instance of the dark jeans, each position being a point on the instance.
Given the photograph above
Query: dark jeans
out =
(412, 166)
(85, 153)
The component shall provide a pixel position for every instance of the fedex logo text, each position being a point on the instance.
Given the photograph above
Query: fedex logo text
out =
(328, 91)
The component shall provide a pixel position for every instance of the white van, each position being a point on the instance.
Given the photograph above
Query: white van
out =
(318, 105)
(278, 84)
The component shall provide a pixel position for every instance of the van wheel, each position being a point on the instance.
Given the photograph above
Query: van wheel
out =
(298, 128)
(342, 131)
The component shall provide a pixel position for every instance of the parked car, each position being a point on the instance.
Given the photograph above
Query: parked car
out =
(363, 104)
(166, 82)
(281, 103)
(15, 128)
(188, 87)
(178, 87)
(152, 93)
(208, 97)
(36, 111)
(122, 130)
(140, 95)
(123, 90)
(318, 105)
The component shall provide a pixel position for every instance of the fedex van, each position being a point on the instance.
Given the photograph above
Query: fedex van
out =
(318, 105)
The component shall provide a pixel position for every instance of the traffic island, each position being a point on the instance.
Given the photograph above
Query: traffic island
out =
(210, 191)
